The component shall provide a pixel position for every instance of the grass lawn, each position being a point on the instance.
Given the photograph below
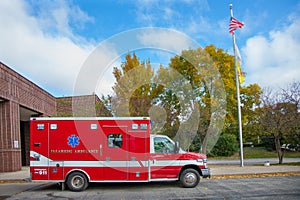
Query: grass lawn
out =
(290, 164)
(258, 152)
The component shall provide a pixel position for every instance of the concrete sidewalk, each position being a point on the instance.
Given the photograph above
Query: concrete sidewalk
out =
(22, 175)
(232, 170)
(251, 161)
(216, 170)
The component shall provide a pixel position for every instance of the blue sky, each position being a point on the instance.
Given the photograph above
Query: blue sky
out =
(49, 41)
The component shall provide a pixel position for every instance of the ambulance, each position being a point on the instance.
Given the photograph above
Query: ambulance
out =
(78, 151)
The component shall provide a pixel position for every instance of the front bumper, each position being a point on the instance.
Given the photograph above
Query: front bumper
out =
(206, 173)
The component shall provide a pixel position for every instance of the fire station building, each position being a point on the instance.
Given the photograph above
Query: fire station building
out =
(21, 99)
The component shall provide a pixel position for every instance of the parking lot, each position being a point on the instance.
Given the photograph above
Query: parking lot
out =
(287, 187)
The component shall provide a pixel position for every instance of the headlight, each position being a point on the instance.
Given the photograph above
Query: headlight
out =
(205, 162)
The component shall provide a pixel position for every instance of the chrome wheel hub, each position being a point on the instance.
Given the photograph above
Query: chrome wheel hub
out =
(190, 178)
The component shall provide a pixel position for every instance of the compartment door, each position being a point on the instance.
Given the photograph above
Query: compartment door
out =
(138, 169)
(56, 170)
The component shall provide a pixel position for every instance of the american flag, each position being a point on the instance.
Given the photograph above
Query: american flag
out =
(234, 24)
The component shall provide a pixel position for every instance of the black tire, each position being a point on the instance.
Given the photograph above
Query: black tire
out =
(189, 178)
(77, 181)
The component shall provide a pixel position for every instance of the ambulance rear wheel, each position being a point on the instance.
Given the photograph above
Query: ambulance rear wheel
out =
(189, 178)
(77, 181)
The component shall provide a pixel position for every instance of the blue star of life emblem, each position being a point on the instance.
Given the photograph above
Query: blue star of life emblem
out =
(73, 141)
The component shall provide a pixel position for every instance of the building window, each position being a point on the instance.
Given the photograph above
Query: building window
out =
(115, 141)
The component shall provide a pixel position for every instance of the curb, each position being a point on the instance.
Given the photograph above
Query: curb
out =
(13, 181)
(256, 175)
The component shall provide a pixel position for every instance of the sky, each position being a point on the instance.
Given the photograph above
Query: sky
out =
(52, 43)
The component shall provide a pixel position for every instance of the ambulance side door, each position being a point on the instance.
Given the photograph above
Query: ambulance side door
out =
(163, 161)
(39, 150)
(113, 153)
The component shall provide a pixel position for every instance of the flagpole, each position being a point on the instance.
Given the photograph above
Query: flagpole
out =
(238, 98)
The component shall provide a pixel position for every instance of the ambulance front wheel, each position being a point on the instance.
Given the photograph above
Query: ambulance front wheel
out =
(77, 181)
(189, 178)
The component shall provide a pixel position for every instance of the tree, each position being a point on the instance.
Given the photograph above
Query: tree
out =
(291, 94)
(133, 89)
(168, 100)
(187, 98)
(279, 116)
(200, 101)
(250, 99)
(202, 81)
(250, 95)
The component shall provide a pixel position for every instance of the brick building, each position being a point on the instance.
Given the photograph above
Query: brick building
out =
(81, 106)
(21, 99)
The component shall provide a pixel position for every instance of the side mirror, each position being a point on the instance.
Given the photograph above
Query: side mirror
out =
(177, 147)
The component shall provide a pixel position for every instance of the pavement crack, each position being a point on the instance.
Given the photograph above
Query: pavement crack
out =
(4, 197)
(57, 196)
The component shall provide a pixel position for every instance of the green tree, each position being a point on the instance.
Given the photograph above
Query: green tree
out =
(250, 99)
(250, 95)
(202, 89)
(226, 146)
(199, 73)
(172, 86)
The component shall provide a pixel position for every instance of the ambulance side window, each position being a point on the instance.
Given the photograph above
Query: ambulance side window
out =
(114, 141)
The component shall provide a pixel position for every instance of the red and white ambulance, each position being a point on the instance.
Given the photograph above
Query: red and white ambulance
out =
(77, 151)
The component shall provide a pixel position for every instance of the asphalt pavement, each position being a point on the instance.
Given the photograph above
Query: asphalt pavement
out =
(12, 183)
(274, 187)
(218, 168)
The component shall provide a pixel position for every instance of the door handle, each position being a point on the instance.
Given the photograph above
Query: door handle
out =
(37, 144)
(100, 149)
(37, 157)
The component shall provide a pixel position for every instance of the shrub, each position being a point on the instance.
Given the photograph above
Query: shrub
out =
(226, 146)
(268, 143)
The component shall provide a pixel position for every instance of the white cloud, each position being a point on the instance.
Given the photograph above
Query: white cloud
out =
(107, 79)
(60, 17)
(273, 61)
(45, 50)
(96, 75)
(167, 39)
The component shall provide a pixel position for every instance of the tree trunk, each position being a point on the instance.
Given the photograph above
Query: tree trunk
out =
(204, 145)
(278, 150)
(280, 156)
